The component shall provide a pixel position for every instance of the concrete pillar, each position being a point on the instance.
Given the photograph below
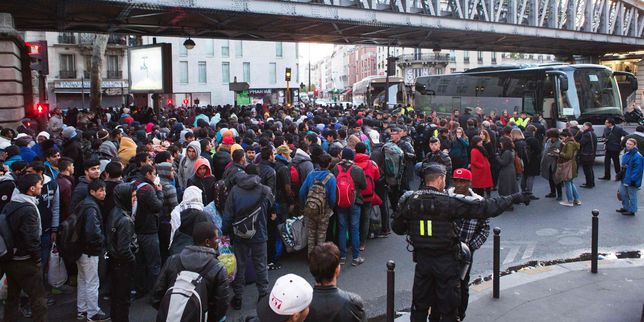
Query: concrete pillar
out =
(15, 88)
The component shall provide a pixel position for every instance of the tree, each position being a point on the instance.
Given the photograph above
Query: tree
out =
(98, 52)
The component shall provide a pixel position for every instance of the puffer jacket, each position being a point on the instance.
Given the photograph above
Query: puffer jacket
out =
(267, 174)
(333, 304)
(121, 240)
(202, 260)
(232, 174)
(220, 160)
(243, 195)
(24, 222)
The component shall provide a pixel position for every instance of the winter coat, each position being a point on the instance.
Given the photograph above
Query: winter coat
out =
(458, 152)
(232, 174)
(614, 138)
(634, 163)
(220, 160)
(49, 205)
(72, 149)
(80, 192)
(9, 161)
(507, 181)
(532, 164)
(183, 235)
(283, 179)
(359, 179)
(267, 174)
(7, 187)
(121, 243)
(127, 150)
(333, 304)
(303, 164)
(569, 153)
(187, 166)
(65, 188)
(243, 195)
(27, 154)
(89, 214)
(205, 183)
(588, 146)
(202, 260)
(481, 172)
(330, 187)
(149, 207)
(550, 157)
(371, 170)
(24, 222)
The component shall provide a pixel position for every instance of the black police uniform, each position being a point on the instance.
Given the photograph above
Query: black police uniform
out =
(428, 218)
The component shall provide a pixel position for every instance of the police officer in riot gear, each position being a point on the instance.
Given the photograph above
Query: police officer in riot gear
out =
(428, 217)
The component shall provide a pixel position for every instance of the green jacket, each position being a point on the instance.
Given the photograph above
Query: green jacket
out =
(569, 152)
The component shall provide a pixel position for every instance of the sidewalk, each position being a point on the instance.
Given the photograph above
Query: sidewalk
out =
(565, 292)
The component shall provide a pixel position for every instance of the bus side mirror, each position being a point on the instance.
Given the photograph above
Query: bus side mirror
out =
(563, 83)
(420, 88)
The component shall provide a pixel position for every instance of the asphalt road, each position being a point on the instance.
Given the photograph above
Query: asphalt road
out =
(544, 230)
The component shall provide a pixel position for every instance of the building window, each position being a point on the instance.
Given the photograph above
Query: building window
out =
(246, 70)
(279, 49)
(88, 66)
(297, 73)
(479, 57)
(210, 47)
(183, 51)
(439, 71)
(272, 73)
(239, 48)
(452, 56)
(466, 57)
(225, 49)
(202, 72)
(225, 73)
(183, 72)
(493, 57)
(113, 67)
(67, 66)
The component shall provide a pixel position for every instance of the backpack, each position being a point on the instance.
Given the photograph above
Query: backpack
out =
(295, 179)
(7, 246)
(69, 237)
(220, 193)
(245, 224)
(187, 299)
(345, 187)
(393, 166)
(6, 191)
(294, 234)
(367, 193)
(315, 203)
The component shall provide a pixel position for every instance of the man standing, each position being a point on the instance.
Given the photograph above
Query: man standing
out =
(588, 142)
(330, 303)
(408, 156)
(613, 135)
(91, 239)
(248, 205)
(24, 269)
(631, 180)
(428, 218)
(236, 170)
(435, 155)
(92, 169)
(473, 232)
(166, 173)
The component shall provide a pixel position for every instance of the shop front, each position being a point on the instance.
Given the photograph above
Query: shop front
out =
(68, 94)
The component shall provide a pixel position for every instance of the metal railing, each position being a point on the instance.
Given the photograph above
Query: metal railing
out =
(66, 38)
(424, 58)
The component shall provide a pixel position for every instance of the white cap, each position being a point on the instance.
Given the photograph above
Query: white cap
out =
(44, 134)
(291, 294)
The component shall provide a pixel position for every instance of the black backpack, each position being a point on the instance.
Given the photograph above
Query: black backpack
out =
(7, 245)
(70, 232)
(187, 299)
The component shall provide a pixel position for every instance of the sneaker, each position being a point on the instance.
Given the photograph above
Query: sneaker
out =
(587, 186)
(357, 261)
(577, 202)
(274, 266)
(628, 213)
(236, 303)
(343, 260)
(99, 317)
(566, 203)
(81, 316)
(604, 178)
(621, 210)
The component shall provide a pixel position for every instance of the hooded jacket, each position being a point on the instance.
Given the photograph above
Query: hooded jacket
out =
(187, 166)
(7, 186)
(283, 179)
(24, 222)
(359, 179)
(232, 174)
(220, 160)
(267, 173)
(73, 150)
(371, 172)
(49, 205)
(121, 240)
(243, 195)
(127, 149)
(205, 183)
(303, 164)
(202, 260)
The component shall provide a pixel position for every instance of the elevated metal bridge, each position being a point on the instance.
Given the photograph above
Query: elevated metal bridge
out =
(584, 27)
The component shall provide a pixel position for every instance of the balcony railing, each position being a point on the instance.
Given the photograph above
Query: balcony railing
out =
(114, 74)
(424, 58)
(66, 38)
(67, 74)
(85, 38)
(120, 40)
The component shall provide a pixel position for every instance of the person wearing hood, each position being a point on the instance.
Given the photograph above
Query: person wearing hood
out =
(23, 141)
(73, 150)
(166, 173)
(222, 157)
(587, 151)
(369, 196)
(126, 150)
(303, 163)
(247, 196)
(121, 246)
(184, 217)
(203, 180)
(8, 182)
(200, 258)
(23, 271)
(187, 165)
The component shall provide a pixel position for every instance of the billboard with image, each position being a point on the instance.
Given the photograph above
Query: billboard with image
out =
(150, 68)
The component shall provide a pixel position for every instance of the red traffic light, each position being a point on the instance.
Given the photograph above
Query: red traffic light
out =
(185, 101)
(34, 49)
(169, 101)
(42, 109)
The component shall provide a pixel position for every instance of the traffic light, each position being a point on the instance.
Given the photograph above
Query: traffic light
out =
(391, 66)
(169, 101)
(316, 91)
(38, 54)
(186, 101)
(287, 76)
(42, 109)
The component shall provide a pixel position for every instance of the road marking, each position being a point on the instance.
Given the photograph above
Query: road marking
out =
(528, 251)
(514, 249)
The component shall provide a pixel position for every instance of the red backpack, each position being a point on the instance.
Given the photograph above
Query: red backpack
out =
(367, 193)
(295, 179)
(346, 188)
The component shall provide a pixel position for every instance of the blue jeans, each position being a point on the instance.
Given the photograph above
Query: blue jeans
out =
(629, 197)
(571, 191)
(344, 216)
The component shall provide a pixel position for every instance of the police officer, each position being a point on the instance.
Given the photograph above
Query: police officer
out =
(428, 217)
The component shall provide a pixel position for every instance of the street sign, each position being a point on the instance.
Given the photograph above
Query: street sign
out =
(238, 87)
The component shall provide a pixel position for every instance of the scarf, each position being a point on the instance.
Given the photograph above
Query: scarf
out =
(191, 200)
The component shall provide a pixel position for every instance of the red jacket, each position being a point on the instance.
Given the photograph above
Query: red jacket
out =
(372, 173)
(481, 173)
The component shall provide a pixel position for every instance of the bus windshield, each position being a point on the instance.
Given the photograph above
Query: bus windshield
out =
(597, 92)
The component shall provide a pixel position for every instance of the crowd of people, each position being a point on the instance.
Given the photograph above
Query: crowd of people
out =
(135, 200)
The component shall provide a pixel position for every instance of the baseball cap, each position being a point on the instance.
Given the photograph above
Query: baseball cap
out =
(290, 294)
(462, 174)
(395, 129)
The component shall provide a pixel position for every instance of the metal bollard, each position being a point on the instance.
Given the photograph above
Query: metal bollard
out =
(496, 263)
(391, 276)
(595, 241)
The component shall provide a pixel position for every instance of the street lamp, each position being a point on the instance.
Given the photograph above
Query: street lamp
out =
(189, 43)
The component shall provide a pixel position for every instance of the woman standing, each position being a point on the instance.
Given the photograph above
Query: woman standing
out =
(549, 162)
(480, 166)
(569, 154)
(458, 149)
(532, 162)
(507, 174)
(490, 148)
